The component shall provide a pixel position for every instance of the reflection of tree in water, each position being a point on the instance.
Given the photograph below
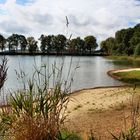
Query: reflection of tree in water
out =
(126, 63)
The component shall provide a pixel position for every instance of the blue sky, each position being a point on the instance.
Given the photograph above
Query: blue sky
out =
(23, 2)
(101, 18)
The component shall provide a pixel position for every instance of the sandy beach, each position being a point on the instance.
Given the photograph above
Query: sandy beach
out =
(100, 110)
(127, 70)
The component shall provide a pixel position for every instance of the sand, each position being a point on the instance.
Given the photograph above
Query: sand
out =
(100, 110)
(127, 70)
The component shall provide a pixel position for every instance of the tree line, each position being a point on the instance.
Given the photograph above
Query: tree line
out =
(48, 44)
(125, 42)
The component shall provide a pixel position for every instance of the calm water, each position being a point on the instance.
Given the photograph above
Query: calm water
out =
(91, 71)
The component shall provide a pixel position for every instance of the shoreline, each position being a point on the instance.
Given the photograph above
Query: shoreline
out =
(51, 54)
(84, 90)
(101, 87)
(98, 87)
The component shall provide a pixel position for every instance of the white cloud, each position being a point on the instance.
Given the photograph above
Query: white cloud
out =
(100, 18)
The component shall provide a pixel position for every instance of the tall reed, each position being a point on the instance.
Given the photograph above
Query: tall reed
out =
(37, 112)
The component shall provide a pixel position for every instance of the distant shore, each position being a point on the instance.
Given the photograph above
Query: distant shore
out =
(52, 53)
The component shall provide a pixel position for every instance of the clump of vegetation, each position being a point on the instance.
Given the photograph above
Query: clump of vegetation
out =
(36, 112)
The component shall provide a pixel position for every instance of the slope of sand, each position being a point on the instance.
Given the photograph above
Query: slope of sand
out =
(100, 110)
(127, 70)
(110, 73)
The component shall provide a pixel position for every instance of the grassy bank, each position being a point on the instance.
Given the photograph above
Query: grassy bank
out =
(132, 77)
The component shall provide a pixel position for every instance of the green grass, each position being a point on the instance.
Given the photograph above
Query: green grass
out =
(129, 77)
(67, 135)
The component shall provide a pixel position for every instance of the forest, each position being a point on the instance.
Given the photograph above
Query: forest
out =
(49, 44)
(125, 42)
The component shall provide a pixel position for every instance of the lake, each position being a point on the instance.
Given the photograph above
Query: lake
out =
(90, 71)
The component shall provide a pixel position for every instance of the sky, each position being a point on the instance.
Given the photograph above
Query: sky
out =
(100, 18)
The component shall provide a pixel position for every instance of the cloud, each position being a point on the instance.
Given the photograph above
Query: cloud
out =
(13, 27)
(100, 18)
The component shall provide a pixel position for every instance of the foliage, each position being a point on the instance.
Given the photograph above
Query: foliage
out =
(2, 42)
(13, 42)
(32, 44)
(137, 50)
(59, 43)
(22, 42)
(55, 44)
(131, 134)
(108, 45)
(90, 42)
(124, 42)
(37, 111)
(46, 43)
(77, 45)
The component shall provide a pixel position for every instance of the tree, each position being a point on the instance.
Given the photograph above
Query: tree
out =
(126, 41)
(137, 50)
(59, 43)
(32, 44)
(46, 43)
(23, 42)
(43, 43)
(90, 43)
(119, 37)
(72, 45)
(108, 46)
(123, 38)
(80, 47)
(50, 42)
(104, 47)
(2, 42)
(136, 37)
(12, 42)
(76, 45)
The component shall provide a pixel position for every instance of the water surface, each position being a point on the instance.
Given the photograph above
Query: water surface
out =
(90, 72)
